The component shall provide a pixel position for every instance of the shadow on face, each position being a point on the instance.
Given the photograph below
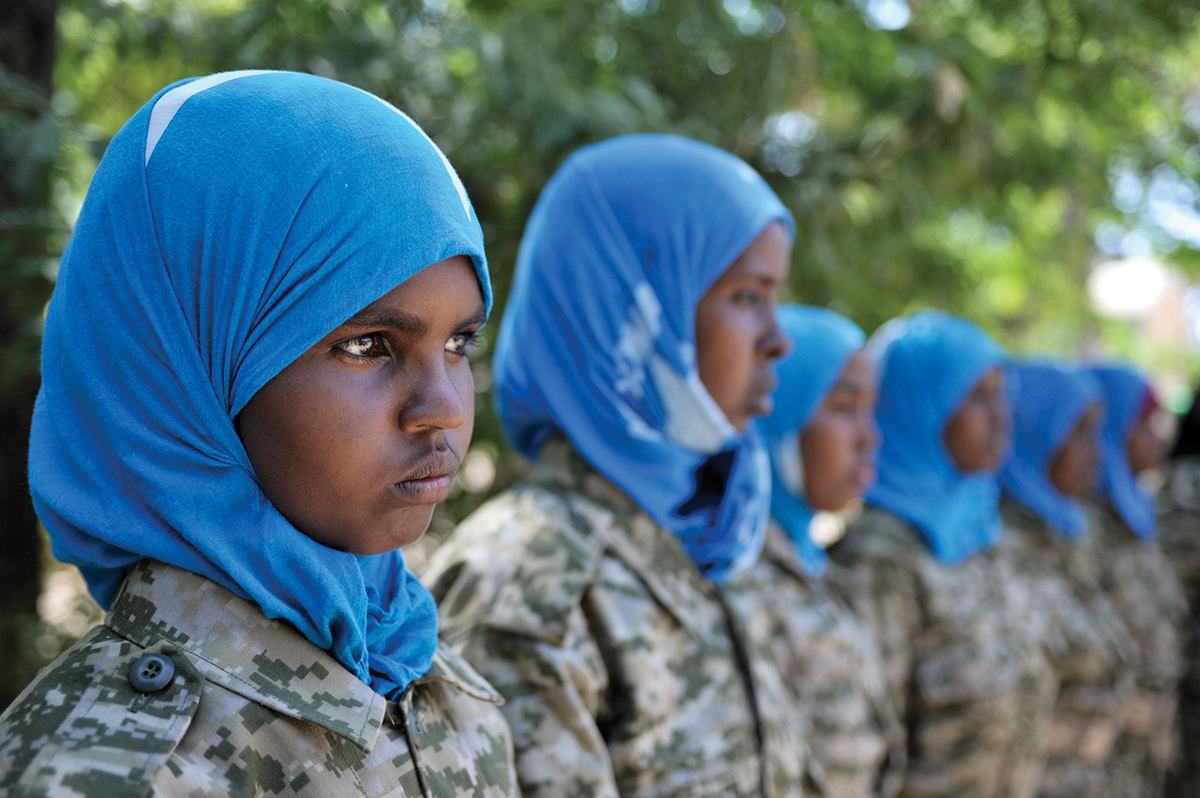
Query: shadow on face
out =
(977, 435)
(737, 337)
(356, 440)
(1073, 467)
(839, 443)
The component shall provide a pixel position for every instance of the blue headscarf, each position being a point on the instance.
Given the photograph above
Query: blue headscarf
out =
(1049, 400)
(822, 342)
(929, 362)
(1125, 394)
(234, 221)
(598, 338)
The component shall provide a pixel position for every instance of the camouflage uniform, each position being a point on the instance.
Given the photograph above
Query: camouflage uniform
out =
(828, 657)
(1056, 585)
(971, 689)
(1179, 531)
(1179, 520)
(1147, 593)
(254, 709)
(625, 672)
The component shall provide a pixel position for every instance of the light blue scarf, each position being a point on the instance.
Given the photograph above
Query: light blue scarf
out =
(598, 338)
(233, 222)
(929, 362)
(822, 342)
(1049, 400)
(1125, 393)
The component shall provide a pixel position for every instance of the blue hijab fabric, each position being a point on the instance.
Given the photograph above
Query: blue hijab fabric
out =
(1125, 393)
(233, 222)
(1049, 400)
(929, 362)
(598, 338)
(822, 342)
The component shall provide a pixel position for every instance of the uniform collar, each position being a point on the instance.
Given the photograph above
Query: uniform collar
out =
(235, 645)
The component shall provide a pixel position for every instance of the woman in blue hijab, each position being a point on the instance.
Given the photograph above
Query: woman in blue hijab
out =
(1140, 580)
(255, 389)
(823, 439)
(1053, 565)
(605, 595)
(922, 576)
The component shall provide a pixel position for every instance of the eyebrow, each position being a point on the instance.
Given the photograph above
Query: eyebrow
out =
(374, 318)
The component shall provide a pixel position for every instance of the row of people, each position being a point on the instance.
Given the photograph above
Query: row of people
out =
(256, 387)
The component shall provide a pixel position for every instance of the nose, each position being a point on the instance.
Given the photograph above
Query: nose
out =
(437, 400)
(773, 343)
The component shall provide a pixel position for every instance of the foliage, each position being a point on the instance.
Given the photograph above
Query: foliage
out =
(966, 159)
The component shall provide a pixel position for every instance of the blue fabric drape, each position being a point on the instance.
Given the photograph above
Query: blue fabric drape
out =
(1125, 394)
(233, 222)
(929, 362)
(1049, 398)
(598, 337)
(822, 342)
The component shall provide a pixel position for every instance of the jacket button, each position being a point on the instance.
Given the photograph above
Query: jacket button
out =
(151, 673)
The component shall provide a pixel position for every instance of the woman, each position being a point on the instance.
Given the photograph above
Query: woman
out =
(823, 439)
(1140, 581)
(255, 390)
(1054, 569)
(603, 596)
(957, 666)
(1178, 520)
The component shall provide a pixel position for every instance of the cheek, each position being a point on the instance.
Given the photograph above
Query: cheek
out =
(464, 382)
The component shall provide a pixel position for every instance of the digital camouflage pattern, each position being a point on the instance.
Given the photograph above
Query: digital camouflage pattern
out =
(1149, 597)
(625, 672)
(828, 657)
(1179, 531)
(965, 679)
(1057, 583)
(254, 709)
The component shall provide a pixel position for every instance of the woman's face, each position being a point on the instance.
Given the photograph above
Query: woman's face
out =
(977, 434)
(1073, 469)
(1144, 447)
(737, 338)
(357, 439)
(838, 445)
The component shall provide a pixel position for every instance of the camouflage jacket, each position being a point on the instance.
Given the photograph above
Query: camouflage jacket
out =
(254, 708)
(1147, 593)
(1179, 532)
(828, 657)
(1055, 583)
(625, 672)
(958, 669)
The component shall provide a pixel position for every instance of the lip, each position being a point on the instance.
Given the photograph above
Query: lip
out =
(428, 480)
(865, 475)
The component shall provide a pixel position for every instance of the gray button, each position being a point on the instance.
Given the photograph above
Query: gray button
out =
(151, 673)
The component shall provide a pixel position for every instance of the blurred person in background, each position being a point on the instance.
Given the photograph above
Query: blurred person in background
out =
(823, 440)
(1139, 579)
(606, 596)
(1179, 532)
(1054, 569)
(922, 574)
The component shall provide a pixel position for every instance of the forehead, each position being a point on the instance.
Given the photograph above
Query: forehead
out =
(768, 257)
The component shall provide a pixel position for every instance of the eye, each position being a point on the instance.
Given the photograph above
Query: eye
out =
(364, 347)
(747, 296)
(464, 344)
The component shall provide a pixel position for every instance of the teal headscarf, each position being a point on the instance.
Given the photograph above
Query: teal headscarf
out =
(929, 362)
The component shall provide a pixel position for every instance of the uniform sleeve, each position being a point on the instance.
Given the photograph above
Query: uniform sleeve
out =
(885, 597)
(553, 695)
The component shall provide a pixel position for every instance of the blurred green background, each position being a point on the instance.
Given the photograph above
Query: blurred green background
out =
(983, 157)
